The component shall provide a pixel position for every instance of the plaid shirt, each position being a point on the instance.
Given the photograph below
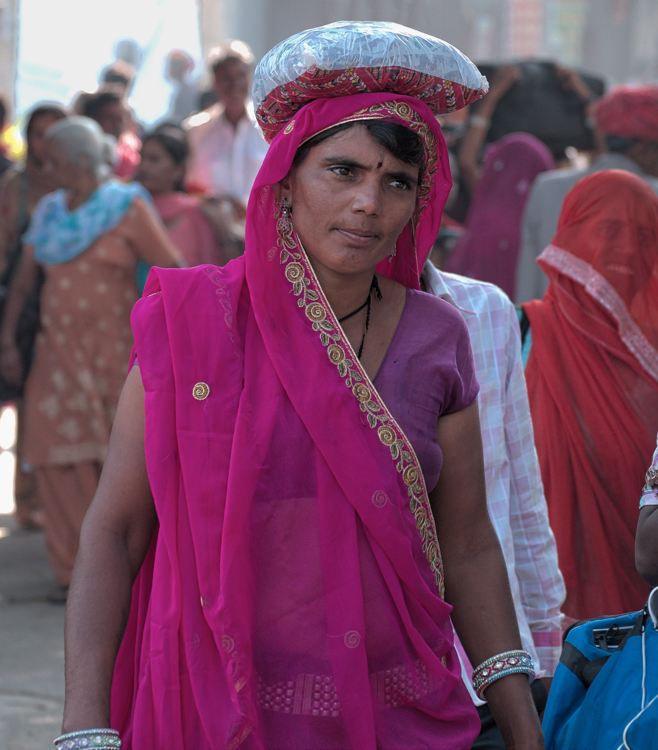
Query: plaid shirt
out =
(515, 493)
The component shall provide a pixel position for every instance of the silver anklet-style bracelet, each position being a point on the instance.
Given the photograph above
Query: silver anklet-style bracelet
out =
(89, 739)
(501, 665)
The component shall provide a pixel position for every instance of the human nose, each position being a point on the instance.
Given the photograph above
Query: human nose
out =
(368, 197)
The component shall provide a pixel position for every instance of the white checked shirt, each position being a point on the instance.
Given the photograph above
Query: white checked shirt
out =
(225, 159)
(515, 494)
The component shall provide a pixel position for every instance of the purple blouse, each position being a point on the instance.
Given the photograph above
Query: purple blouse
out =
(428, 371)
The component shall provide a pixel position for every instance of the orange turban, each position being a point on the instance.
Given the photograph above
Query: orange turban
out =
(629, 112)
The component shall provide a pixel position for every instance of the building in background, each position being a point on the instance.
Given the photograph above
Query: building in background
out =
(617, 39)
(8, 48)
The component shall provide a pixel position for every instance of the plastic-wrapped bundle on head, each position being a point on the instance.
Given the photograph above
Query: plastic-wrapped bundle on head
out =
(353, 57)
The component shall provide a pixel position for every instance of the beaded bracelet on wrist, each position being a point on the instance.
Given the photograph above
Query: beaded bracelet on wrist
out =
(89, 739)
(501, 665)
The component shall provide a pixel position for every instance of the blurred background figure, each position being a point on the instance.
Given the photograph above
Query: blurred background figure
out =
(85, 340)
(162, 172)
(184, 101)
(489, 248)
(108, 107)
(21, 188)
(119, 74)
(628, 121)
(5, 161)
(592, 379)
(227, 146)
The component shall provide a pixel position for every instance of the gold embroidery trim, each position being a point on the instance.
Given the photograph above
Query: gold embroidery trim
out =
(299, 272)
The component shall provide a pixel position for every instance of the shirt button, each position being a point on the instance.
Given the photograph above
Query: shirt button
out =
(201, 391)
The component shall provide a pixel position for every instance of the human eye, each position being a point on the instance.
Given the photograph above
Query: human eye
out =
(341, 170)
(400, 183)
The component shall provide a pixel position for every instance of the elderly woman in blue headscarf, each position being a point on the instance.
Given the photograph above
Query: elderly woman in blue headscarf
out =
(87, 236)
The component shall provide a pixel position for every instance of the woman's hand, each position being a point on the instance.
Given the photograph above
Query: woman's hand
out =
(11, 364)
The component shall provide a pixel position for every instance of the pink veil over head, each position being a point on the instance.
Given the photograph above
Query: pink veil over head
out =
(293, 593)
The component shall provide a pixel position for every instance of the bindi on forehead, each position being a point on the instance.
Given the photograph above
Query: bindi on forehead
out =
(380, 163)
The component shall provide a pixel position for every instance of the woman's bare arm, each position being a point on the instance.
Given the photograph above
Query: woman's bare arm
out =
(11, 364)
(149, 238)
(476, 578)
(478, 126)
(115, 537)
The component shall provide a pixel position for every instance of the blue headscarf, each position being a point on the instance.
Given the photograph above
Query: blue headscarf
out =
(59, 235)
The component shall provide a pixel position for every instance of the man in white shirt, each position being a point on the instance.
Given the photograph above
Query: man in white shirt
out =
(515, 494)
(226, 142)
(628, 118)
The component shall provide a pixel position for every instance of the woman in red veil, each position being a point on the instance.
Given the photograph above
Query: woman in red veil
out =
(593, 385)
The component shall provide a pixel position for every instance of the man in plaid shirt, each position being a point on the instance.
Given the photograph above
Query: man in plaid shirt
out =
(515, 494)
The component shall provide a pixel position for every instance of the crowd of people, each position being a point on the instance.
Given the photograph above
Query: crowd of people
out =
(266, 558)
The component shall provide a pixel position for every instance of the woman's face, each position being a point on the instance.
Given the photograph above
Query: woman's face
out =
(157, 171)
(350, 198)
(36, 140)
(63, 172)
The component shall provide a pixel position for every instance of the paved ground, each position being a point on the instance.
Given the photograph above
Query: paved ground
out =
(32, 644)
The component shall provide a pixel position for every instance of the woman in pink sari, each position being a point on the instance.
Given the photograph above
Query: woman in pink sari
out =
(276, 480)
(162, 172)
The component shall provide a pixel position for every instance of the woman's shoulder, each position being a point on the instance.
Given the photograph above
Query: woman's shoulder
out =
(431, 312)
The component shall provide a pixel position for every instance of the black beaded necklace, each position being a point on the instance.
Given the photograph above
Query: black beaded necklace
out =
(374, 287)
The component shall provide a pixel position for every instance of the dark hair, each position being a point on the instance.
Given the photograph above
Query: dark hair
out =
(119, 72)
(233, 50)
(53, 110)
(3, 108)
(618, 144)
(174, 141)
(403, 143)
(94, 103)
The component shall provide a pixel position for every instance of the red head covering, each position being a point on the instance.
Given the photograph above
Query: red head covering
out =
(629, 112)
(593, 384)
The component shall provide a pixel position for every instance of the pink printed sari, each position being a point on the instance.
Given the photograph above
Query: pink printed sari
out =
(293, 594)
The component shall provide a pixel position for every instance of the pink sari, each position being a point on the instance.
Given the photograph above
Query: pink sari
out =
(188, 228)
(293, 594)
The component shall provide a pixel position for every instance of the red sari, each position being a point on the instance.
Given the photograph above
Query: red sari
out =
(593, 385)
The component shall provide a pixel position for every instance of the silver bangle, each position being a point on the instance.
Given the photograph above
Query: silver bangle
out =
(89, 739)
(502, 665)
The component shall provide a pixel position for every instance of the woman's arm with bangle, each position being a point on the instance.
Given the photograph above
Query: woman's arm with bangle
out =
(477, 584)
(11, 363)
(115, 537)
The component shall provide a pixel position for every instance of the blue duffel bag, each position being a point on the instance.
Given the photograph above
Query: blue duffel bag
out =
(604, 694)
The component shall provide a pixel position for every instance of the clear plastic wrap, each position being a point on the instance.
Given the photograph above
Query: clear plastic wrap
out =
(357, 44)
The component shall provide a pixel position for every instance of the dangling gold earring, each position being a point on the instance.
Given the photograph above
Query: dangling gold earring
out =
(392, 255)
(284, 224)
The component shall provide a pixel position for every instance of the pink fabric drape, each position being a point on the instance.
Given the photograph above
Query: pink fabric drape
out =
(489, 248)
(292, 596)
(188, 228)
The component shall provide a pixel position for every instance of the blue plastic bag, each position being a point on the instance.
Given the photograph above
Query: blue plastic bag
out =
(604, 694)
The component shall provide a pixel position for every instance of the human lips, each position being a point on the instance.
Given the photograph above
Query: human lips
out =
(357, 236)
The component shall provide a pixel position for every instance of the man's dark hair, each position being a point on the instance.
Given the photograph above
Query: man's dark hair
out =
(403, 143)
(95, 102)
(233, 50)
(119, 72)
(618, 144)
